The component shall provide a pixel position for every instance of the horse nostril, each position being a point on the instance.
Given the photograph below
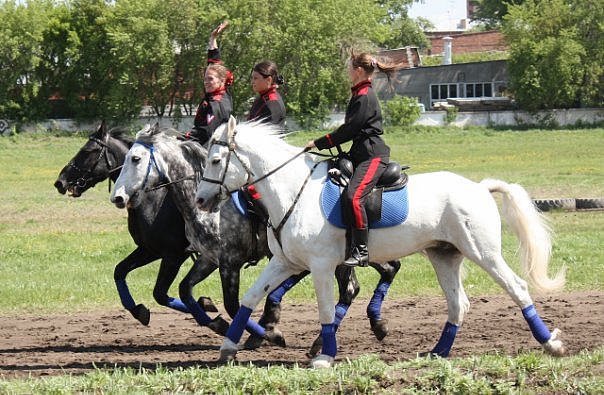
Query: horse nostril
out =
(199, 202)
(60, 187)
(118, 200)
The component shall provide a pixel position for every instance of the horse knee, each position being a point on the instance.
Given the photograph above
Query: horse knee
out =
(185, 290)
(160, 296)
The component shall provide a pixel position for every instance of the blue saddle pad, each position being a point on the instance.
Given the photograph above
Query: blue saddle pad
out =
(240, 203)
(395, 206)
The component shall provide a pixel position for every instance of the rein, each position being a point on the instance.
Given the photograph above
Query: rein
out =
(231, 146)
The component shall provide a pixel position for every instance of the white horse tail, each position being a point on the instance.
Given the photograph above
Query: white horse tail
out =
(533, 230)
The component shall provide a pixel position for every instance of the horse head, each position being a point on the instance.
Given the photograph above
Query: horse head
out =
(225, 171)
(99, 158)
(143, 168)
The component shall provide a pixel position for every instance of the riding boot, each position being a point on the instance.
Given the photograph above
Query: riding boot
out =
(359, 256)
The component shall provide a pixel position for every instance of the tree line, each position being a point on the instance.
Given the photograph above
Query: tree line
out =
(106, 59)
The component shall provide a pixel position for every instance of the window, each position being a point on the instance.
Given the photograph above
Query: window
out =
(481, 89)
(441, 92)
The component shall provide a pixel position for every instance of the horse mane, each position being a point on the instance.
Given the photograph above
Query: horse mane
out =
(192, 151)
(122, 134)
(265, 134)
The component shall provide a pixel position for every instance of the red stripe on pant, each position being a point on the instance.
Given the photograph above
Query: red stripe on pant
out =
(356, 199)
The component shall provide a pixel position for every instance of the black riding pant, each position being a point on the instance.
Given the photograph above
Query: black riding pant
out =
(365, 177)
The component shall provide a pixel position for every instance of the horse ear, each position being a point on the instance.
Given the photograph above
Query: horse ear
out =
(155, 129)
(231, 125)
(102, 129)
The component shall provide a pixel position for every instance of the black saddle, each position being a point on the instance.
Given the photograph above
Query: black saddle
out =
(393, 178)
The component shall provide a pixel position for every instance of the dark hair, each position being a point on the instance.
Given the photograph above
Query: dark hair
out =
(370, 64)
(266, 68)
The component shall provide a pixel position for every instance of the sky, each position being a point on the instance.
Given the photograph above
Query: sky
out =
(444, 14)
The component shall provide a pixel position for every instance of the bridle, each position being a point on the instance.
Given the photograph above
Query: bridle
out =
(163, 179)
(84, 178)
(231, 145)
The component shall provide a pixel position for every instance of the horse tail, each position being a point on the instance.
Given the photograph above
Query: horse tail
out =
(534, 232)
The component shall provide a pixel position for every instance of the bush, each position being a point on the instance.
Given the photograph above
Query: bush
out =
(401, 111)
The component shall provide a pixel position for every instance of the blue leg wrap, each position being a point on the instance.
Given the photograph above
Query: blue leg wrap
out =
(374, 308)
(277, 295)
(177, 304)
(443, 347)
(328, 334)
(540, 331)
(198, 313)
(124, 292)
(254, 328)
(236, 328)
(341, 310)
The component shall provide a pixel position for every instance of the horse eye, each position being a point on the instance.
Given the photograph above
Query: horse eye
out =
(216, 159)
(136, 159)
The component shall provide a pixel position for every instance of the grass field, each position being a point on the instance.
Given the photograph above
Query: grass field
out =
(57, 254)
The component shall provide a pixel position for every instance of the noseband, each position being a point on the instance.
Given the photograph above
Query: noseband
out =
(83, 180)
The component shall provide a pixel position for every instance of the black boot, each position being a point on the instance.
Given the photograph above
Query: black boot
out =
(359, 255)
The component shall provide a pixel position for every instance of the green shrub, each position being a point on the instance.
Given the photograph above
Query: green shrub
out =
(401, 111)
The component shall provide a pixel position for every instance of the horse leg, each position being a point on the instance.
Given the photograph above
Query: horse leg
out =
(168, 269)
(348, 289)
(274, 273)
(517, 288)
(198, 272)
(322, 278)
(137, 258)
(447, 265)
(387, 272)
(272, 314)
(230, 291)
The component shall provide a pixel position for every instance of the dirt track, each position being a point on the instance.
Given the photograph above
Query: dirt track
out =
(58, 344)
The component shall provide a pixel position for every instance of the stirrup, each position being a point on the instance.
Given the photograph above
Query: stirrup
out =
(357, 259)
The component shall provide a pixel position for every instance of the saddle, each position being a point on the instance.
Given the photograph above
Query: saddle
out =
(386, 205)
(392, 179)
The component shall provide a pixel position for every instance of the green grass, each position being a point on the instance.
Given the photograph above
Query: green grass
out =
(57, 255)
(482, 374)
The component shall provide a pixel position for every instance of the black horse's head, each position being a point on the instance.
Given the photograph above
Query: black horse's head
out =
(99, 158)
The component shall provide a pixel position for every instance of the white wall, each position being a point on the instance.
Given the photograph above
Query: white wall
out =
(428, 118)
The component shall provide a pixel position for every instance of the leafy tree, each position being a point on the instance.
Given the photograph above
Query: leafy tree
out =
(491, 12)
(21, 35)
(555, 53)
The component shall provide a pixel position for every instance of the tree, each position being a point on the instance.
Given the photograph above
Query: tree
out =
(21, 37)
(491, 12)
(555, 53)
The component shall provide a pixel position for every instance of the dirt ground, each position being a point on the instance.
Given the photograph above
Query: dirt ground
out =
(75, 343)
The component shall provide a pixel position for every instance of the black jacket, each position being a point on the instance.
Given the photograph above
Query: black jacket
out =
(362, 125)
(214, 109)
(268, 107)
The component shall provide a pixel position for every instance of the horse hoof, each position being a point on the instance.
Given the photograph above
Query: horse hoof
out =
(315, 348)
(142, 314)
(554, 345)
(207, 305)
(379, 328)
(274, 336)
(322, 361)
(429, 355)
(219, 325)
(253, 342)
(228, 351)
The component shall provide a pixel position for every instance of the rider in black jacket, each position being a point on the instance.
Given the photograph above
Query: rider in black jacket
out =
(268, 106)
(369, 153)
(217, 105)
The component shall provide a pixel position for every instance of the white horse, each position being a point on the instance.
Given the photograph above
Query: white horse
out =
(450, 218)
